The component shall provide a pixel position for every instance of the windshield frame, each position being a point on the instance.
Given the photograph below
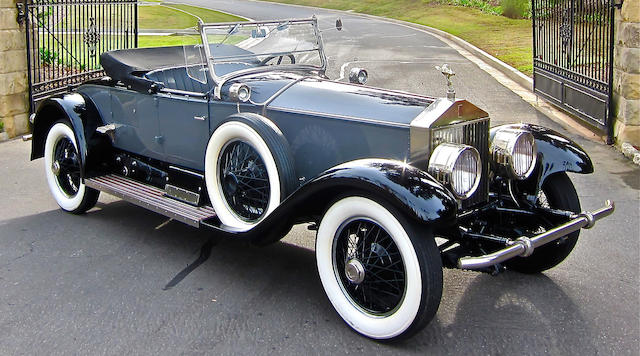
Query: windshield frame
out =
(220, 80)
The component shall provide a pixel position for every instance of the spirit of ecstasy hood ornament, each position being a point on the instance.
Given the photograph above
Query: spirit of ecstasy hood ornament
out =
(448, 73)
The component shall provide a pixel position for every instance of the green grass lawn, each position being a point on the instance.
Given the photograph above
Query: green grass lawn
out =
(161, 41)
(182, 40)
(169, 16)
(507, 39)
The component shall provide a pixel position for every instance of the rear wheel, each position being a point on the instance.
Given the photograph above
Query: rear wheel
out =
(558, 193)
(62, 169)
(382, 273)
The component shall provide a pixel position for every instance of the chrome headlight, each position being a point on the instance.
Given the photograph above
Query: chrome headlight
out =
(358, 76)
(239, 92)
(457, 166)
(515, 152)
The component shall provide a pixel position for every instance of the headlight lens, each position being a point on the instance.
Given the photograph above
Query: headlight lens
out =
(458, 167)
(515, 152)
(358, 76)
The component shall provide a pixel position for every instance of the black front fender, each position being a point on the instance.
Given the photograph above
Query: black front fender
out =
(556, 153)
(74, 107)
(411, 190)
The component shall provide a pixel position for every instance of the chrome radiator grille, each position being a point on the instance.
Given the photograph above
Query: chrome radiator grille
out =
(473, 133)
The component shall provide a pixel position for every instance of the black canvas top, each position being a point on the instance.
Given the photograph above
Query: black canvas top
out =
(128, 65)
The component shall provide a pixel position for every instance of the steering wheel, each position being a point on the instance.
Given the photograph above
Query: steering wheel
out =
(268, 59)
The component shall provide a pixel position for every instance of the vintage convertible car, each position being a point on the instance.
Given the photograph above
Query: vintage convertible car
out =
(245, 135)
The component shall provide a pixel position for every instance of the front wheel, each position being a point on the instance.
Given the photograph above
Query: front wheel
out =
(381, 272)
(557, 193)
(62, 169)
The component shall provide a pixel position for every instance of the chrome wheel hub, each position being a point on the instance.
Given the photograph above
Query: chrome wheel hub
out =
(55, 167)
(354, 270)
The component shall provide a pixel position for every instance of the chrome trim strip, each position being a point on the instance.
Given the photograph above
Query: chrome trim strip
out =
(264, 22)
(525, 246)
(276, 54)
(183, 92)
(186, 171)
(405, 94)
(282, 90)
(278, 93)
(339, 117)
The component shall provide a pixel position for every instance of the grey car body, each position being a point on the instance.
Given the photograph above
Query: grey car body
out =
(356, 122)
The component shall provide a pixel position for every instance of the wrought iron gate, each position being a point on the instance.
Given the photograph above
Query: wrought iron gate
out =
(573, 56)
(66, 37)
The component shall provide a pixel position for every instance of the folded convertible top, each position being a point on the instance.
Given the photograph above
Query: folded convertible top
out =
(129, 65)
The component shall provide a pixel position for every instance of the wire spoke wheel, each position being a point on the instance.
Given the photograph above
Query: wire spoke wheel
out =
(245, 180)
(381, 272)
(248, 172)
(369, 266)
(66, 166)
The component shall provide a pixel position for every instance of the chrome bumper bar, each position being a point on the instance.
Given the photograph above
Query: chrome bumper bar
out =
(524, 246)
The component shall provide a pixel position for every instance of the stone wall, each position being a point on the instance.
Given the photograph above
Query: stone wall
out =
(14, 97)
(626, 73)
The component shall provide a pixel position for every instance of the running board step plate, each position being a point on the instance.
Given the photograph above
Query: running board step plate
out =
(151, 198)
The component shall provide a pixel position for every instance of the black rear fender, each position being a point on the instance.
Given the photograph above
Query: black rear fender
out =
(84, 118)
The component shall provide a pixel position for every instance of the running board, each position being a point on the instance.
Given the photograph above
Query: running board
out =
(151, 198)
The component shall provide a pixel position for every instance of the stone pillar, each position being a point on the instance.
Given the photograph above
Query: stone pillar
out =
(14, 96)
(626, 74)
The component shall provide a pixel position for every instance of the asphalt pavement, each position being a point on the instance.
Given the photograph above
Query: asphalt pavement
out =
(113, 281)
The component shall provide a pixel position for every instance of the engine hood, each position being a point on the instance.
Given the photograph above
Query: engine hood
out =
(321, 97)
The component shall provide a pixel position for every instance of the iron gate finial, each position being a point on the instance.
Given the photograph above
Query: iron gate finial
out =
(22, 15)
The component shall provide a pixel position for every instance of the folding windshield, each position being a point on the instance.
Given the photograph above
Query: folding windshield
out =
(260, 46)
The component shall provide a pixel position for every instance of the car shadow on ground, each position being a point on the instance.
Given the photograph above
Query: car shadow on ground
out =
(121, 257)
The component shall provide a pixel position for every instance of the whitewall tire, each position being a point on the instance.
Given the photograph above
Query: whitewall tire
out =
(248, 171)
(385, 282)
(62, 170)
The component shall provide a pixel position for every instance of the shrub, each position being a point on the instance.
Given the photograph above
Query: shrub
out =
(482, 5)
(516, 9)
(48, 57)
(1, 125)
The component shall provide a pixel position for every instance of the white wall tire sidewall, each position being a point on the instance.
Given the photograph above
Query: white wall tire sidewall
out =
(369, 325)
(56, 133)
(229, 131)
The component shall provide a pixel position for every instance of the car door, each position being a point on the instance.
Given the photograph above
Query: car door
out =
(135, 117)
(184, 129)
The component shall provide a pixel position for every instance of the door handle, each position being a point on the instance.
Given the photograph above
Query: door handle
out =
(200, 118)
